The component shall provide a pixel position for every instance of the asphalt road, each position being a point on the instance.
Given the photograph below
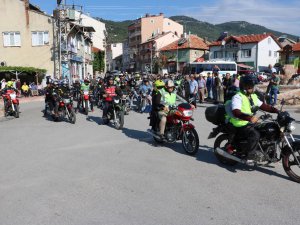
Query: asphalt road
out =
(88, 174)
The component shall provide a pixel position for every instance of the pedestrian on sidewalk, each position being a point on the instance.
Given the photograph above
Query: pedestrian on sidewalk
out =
(217, 87)
(202, 88)
(274, 85)
(193, 89)
(209, 85)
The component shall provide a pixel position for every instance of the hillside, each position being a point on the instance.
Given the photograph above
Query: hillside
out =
(117, 31)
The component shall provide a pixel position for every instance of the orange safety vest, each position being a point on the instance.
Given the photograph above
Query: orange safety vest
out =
(111, 92)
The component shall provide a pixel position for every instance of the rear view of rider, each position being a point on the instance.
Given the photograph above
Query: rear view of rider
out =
(243, 108)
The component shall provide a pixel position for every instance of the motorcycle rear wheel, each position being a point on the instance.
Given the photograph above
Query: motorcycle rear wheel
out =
(190, 142)
(218, 144)
(290, 164)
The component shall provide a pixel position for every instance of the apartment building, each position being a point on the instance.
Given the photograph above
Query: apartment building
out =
(148, 27)
(26, 36)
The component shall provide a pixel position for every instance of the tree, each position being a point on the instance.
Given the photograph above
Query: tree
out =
(98, 63)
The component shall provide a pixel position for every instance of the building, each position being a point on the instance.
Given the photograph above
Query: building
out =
(147, 27)
(78, 47)
(98, 37)
(290, 55)
(257, 51)
(183, 51)
(26, 38)
(126, 57)
(150, 50)
(113, 51)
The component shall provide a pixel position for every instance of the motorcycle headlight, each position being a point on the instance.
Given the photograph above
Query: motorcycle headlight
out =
(117, 101)
(291, 126)
(188, 113)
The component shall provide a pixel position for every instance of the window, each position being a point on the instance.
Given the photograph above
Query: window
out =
(152, 21)
(11, 39)
(40, 38)
(246, 53)
(114, 45)
(275, 54)
(270, 53)
(218, 54)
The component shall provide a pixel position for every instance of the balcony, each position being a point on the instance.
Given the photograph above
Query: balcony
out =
(134, 34)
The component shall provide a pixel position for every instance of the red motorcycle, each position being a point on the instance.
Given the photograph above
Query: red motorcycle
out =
(178, 127)
(11, 103)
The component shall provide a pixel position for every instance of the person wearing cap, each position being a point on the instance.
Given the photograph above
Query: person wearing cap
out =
(274, 88)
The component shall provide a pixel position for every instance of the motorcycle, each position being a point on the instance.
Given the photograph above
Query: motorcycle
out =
(116, 113)
(85, 101)
(144, 102)
(11, 104)
(178, 127)
(276, 141)
(65, 109)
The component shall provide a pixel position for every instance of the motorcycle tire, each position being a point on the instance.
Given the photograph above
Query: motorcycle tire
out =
(72, 117)
(86, 109)
(218, 142)
(287, 163)
(194, 149)
(16, 111)
(120, 116)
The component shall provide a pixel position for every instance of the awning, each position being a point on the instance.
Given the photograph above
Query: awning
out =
(245, 66)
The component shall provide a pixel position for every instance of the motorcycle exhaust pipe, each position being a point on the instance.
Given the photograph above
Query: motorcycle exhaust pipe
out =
(228, 156)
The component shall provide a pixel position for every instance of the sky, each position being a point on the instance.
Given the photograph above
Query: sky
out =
(279, 15)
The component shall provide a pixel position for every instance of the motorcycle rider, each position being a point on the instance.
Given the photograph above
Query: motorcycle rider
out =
(108, 92)
(145, 90)
(156, 105)
(167, 99)
(85, 86)
(9, 86)
(49, 97)
(243, 106)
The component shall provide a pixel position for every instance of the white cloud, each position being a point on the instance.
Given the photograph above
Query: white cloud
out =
(281, 16)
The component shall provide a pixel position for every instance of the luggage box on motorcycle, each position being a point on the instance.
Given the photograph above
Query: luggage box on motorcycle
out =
(215, 114)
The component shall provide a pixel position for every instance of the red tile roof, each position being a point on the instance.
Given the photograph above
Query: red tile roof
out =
(96, 50)
(296, 47)
(193, 42)
(255, 38)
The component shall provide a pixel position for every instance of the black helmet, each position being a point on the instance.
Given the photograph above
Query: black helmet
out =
(246, 82)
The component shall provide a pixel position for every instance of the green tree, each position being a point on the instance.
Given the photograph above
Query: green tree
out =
(98, 63)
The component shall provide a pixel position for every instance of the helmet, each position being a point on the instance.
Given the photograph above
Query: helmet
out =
(170, 83)
(247, 82)
(10, 84)
(159, 83)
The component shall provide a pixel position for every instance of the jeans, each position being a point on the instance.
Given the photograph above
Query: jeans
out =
(209, 92)
(273, 92)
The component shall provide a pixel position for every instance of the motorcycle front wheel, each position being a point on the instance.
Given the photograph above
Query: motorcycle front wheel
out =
(222, 142)
(16, 111)
(86, 107)
(119, 122)
(190, 142)
(291, 166)
(72, 116)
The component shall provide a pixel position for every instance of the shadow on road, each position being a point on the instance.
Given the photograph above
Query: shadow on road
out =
(95, 119)
(207, 156)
